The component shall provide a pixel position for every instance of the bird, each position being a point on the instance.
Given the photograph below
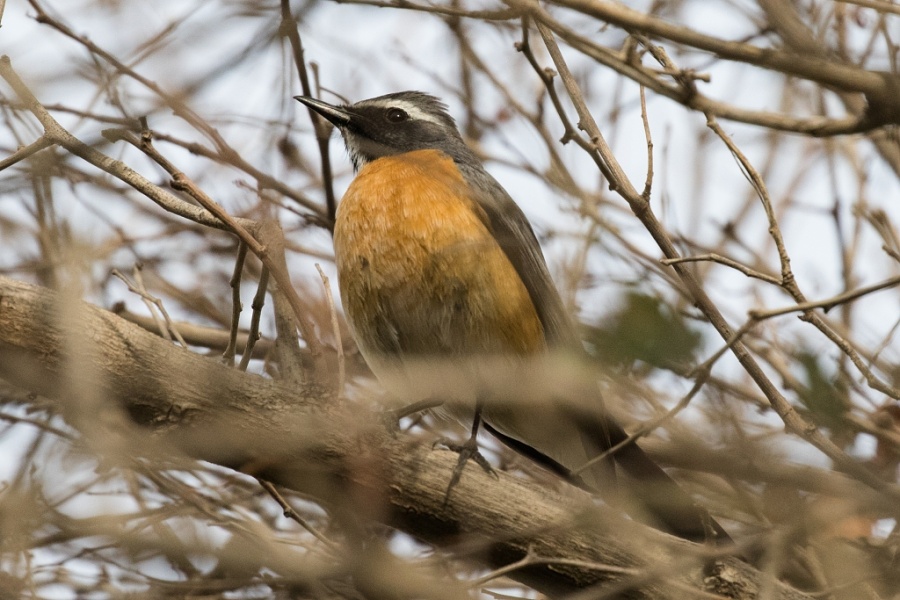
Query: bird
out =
(436, 262)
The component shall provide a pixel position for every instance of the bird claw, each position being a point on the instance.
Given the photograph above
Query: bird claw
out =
(467, 451)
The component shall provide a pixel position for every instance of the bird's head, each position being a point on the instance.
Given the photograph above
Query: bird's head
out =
(392, 124)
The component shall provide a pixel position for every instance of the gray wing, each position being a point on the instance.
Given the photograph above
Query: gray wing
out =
(513, 232)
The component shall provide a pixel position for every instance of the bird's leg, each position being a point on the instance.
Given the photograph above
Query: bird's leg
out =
(468, 450)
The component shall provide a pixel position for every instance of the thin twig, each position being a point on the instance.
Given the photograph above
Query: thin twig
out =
(259, 300)
(289, 512)
(236, 304)
(166, 326)
(828, 303)
(24, 152)
(648, 182)
(40, 425)
(713, 257)
(336, 330)
(531, 558)
(196, 335)
(787, 275)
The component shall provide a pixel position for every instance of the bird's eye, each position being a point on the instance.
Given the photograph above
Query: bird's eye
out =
(396, 115)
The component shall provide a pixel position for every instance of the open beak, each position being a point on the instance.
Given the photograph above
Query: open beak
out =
(337, 115)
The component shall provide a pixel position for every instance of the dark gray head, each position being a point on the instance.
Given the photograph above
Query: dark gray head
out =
(393, 124)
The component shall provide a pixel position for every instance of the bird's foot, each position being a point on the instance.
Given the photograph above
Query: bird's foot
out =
(468, 450)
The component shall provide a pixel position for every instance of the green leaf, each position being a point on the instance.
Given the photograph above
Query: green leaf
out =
(645, 330)
(824, 396)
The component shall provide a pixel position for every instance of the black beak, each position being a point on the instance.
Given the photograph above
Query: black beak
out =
(337, 115)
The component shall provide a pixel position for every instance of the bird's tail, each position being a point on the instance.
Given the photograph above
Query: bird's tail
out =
(660, 500)
(645, 490)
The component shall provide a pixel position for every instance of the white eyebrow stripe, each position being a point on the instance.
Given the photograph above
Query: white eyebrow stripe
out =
(411, 109)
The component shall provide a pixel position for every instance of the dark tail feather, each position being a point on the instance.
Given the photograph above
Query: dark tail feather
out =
(663, 504)
(669, 507)
(539, 457)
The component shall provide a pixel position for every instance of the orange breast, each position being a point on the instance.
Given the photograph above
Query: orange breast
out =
(419, 271)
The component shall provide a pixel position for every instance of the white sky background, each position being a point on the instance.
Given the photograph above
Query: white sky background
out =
(362, 52)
